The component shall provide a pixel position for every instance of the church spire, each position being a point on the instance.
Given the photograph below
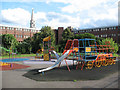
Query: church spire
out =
(32, 22)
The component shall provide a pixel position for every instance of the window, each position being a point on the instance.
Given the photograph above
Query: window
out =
(113, 35)
(24, 36)
(114, 27)
(97, 35)
(3, 27)
(10, 28)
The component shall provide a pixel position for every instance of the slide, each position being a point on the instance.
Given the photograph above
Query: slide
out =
(59, 59)
(4, 49)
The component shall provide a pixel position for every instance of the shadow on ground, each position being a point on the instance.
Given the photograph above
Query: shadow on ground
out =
(62, 73)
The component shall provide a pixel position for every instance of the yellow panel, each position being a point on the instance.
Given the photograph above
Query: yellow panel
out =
(76, 49)
(46, 57)
(88, 49)
(47, 39)
(4, 64)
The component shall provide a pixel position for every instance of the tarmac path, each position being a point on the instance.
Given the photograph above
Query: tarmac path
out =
(14, 79)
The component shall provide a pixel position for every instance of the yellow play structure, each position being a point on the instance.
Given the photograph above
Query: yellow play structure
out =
(45, 49)
(4, 64)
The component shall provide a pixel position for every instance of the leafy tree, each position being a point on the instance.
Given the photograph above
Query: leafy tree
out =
(37, 39)
(67, 34)
(9, 41)
(36, 42)
(21, 48)
(25, 46)
(112, 44)
(99, 40)
(85, 35)
(47, 31)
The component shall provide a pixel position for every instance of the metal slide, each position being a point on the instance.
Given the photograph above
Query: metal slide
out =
(59, 59)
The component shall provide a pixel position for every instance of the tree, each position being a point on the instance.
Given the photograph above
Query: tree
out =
(47, 31)
(67, 34)
(37, 39)
(9, 41)
(85, 35)
(99, 40)
(111, 43)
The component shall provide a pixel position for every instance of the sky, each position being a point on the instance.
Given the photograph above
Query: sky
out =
(60, 13)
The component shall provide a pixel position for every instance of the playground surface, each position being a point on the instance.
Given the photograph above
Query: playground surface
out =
(62, 73)
(14, 59)
(19, 78)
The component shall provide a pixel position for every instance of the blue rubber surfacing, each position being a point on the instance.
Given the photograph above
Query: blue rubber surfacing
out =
(14, 59)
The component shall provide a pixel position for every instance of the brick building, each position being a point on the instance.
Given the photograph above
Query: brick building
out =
(19, 33)
(104, 32)
(58, 34)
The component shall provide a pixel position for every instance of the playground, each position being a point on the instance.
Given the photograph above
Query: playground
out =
(81, 60)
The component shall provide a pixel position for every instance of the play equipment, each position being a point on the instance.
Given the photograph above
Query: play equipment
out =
(11, 51)
(85, 53)
(38, 53)
(4, 49)
(4, 64)
(44, 52)
(46, 47)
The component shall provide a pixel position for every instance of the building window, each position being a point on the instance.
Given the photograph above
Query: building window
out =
(97, 35)
(24, 36)
(3, 27)
(10, 28)
(113, 35)
(114, 27)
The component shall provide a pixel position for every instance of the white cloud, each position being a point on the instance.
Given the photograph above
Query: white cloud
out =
(76, 13)
(56, 20)
(17, 16)
(80, 5)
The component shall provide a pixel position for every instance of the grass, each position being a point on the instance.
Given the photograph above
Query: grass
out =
(29, 55)
(18, 55)
(116, 55)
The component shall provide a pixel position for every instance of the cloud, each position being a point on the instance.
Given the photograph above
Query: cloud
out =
(16, 16)
(75, 13)
(91, 13)
(56, 20)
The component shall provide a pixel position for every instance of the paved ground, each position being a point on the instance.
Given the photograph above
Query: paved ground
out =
(15, 79)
